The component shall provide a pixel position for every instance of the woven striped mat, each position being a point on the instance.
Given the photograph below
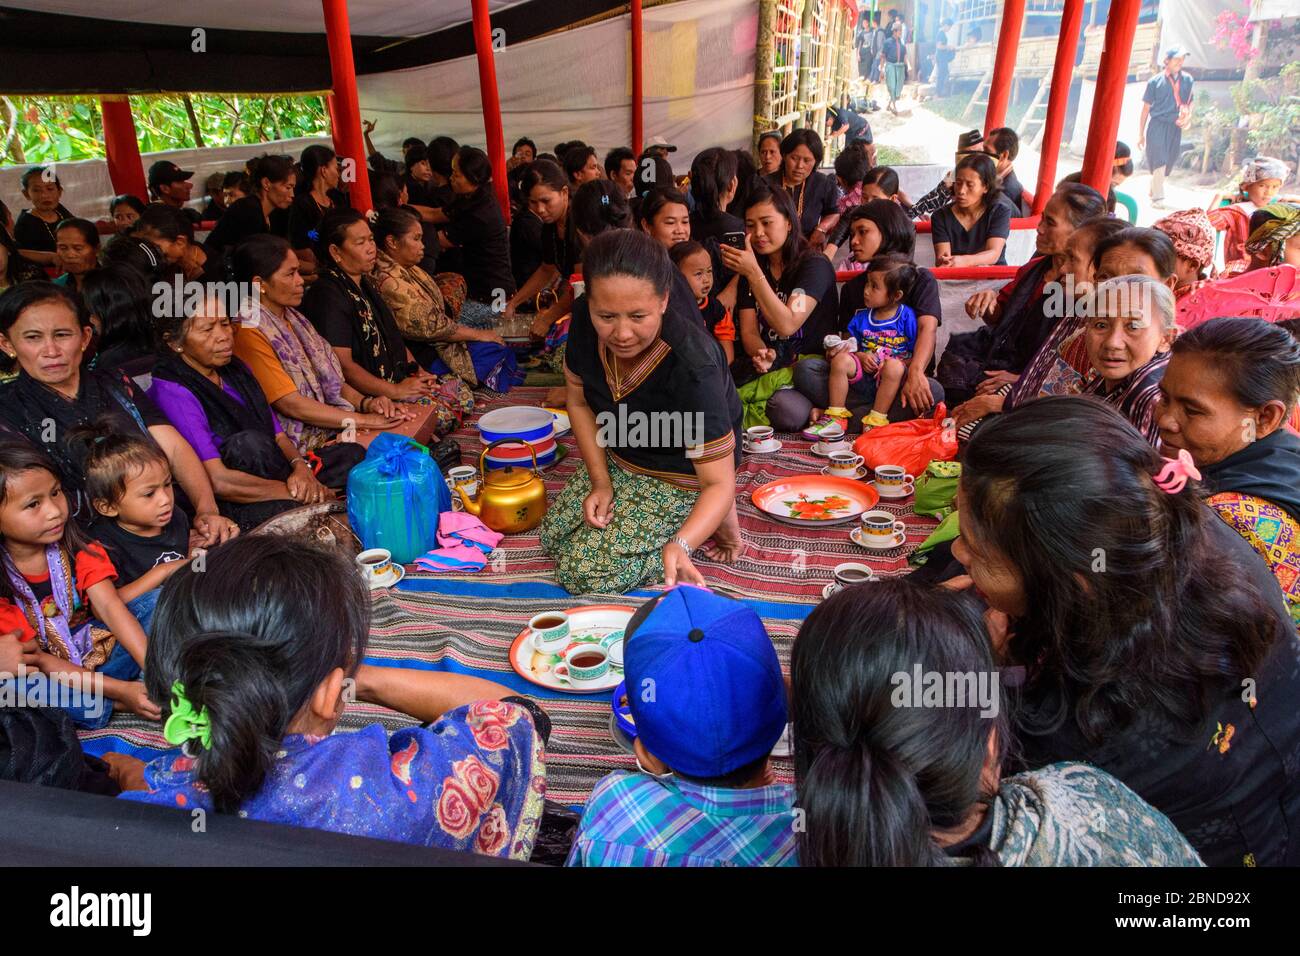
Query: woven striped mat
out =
(466, 623)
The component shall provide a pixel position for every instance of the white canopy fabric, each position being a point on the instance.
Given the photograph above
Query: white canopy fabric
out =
(699, 85)
(386, 18)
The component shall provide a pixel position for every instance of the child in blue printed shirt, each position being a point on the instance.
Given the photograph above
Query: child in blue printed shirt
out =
(708, 700)
(885, 336)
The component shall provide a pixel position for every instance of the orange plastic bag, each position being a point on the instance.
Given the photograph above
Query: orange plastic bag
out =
(913, 444)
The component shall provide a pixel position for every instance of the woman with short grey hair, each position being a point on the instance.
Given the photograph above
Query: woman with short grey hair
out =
(1128, 339)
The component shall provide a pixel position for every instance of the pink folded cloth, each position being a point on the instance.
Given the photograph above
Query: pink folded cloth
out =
(459, 527)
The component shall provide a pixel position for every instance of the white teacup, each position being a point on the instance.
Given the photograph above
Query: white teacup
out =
(879, 527)
(844, 464)
(892, 477)
(376, 566)
(851, 572)
(586, 675)
(550, 631)
(463, 476)
(759, 436)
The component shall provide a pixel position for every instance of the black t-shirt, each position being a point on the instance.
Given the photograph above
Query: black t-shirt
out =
(820, 196)
(816, 277)
(305, 215)
(922, 298)
(684, 373)
(377, 347)
(995, 223)
(1232, 784)
(478, 227)
(134, 555)
(525, 246)
(243, 218)
(1013, 192)
(559, 252)
(34, 233)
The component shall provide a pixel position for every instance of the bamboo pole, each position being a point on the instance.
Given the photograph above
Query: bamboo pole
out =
(807, 62)
(764, 62)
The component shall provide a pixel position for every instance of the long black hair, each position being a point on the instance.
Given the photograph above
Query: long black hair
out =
(259, 256)
(599, 205)
(1065, 482)
(276, 169)
(876, 779)
(313, 159)
(897, 230)
(712, 171)
(475, 166)
(796, 247)
(986, 168)
(122, 300)
(1258, 360)
(237, 637)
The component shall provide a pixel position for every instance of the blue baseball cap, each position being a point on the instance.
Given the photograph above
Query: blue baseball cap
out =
(703, 682)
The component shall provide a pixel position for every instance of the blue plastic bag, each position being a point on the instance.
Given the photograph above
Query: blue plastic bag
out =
(395, 497)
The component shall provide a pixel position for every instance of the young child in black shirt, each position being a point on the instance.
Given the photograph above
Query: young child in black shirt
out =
(695, 263)
(129, 484)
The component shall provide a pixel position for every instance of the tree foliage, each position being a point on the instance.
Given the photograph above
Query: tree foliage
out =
(39, 129)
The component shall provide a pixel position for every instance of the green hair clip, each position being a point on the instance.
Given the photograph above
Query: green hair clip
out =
(185, 724)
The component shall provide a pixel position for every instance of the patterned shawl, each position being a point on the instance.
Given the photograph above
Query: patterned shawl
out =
(421, 312)
(1271, 236)
(307, 359)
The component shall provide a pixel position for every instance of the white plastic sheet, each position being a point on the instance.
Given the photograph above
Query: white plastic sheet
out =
(699, 85)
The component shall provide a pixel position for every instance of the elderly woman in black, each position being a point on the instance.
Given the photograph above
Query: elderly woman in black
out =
(814, 193)
(634, 513)
(1150, 640)
(348, 311)
(47, 330)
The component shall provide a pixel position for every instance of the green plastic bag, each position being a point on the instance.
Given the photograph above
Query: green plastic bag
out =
(948, 530)
(936, 489)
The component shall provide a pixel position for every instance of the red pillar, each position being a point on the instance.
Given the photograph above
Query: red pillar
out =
(347, 111)
(334, 120)
(638, 79)
(487, 85)
(1112, 75)
(1004, 64)
(121, 148)
(1053, 124)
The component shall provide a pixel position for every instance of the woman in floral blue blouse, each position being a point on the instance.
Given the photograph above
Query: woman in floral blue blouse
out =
(256, 685)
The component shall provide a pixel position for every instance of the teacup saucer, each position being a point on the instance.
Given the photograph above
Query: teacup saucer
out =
(898, 491)
(388, 580)
(862, 472)
(752, 449)
(824, 449)
(862, 541)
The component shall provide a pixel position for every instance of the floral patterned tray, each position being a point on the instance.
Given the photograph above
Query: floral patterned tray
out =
(808, 500)
(594, 624)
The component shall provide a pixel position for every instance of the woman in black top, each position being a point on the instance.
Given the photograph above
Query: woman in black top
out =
(639, 365)
(714, 184)
(477, 228)
(876, 228)
(973, 229)
(814, 194)
(546, 190)
(274, 179)
(348, 311)
(318, 193)
(172, 232)
(54, 389)
(120, 302)
(1106, 582)
(786, 301)
(34, 230)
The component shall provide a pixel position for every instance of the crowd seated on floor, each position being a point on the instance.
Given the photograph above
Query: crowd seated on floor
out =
(1152, 417)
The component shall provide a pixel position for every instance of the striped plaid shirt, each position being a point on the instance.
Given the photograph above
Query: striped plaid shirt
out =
(636, 820)
(934, 200)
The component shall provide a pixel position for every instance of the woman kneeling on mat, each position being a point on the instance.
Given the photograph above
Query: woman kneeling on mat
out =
(656, 418)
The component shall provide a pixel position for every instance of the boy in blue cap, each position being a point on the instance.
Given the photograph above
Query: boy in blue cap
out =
(708, 700)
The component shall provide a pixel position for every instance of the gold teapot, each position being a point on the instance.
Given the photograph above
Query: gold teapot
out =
(510, 499)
